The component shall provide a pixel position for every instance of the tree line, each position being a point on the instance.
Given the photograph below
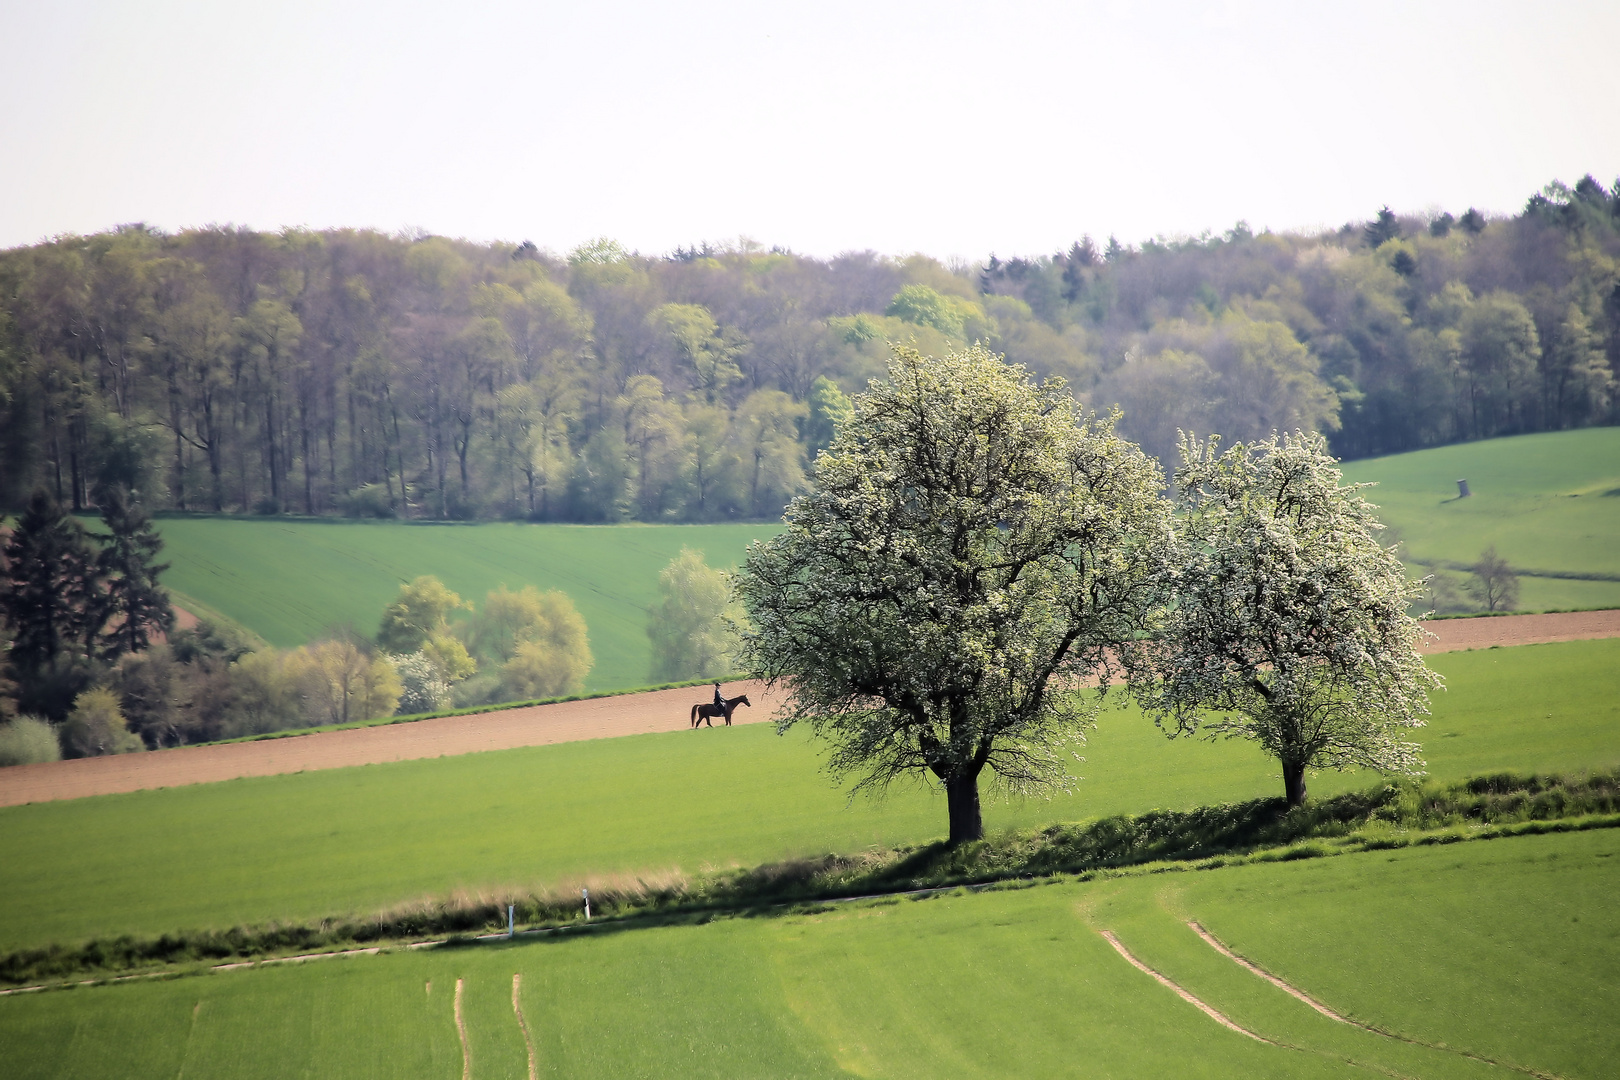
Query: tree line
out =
(352, 372)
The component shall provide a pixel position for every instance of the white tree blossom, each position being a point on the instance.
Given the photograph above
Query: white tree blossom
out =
(974, 546)
(1289, 624)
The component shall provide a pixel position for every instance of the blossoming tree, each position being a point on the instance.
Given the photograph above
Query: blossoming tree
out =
(973, 547)
(1289, 622)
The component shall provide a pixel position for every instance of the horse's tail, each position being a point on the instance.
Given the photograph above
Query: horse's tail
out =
(695, 709)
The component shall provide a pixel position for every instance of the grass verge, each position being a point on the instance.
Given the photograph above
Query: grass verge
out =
(1260, 830)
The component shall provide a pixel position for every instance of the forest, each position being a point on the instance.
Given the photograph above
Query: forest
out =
(351, 372)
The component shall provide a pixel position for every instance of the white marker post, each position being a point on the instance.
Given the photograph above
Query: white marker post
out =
(586, 893)
(509, 920)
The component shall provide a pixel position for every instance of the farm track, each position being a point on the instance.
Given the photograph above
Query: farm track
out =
(569, 721)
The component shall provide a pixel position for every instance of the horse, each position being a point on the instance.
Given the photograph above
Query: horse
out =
(706, 711)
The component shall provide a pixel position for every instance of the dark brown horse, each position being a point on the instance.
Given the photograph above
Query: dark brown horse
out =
(706, 711)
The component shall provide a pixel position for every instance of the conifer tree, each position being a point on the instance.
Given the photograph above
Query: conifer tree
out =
(48, 596)
(132, 603)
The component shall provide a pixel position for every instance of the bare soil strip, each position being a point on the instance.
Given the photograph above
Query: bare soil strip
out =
(1287, 988)
(568, 721)
(535, 725)
(1454, 635)
(517, 1007)
(461, 1029)
(1185, 995)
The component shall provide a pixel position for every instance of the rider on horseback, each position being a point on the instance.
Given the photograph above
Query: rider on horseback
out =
(719, 702)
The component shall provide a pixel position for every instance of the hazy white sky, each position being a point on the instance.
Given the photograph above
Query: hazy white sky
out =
(948, 128)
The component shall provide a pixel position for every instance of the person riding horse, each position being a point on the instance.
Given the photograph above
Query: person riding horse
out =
(703, 712)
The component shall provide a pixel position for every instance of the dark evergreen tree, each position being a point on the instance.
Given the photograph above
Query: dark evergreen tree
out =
(48, 599)
(132, 603)
(1383, 227)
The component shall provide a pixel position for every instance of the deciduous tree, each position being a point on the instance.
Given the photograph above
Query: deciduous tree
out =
(689, 628)
(1494, 583)
(1289, 624)
(421, 611)
(974, 544)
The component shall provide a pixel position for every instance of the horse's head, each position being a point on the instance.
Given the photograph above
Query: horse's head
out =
(744, 701)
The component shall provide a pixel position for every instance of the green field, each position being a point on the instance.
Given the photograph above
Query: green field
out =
(288, 581)
(1548, 502)
(355, 840)
(1000, 984)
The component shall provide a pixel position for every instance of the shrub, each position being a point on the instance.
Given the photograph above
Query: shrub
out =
(28, 740)
(368, 501)
(422, 688)
(339, 683)
(96, 726)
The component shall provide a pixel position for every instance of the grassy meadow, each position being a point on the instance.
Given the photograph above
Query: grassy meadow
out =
(289, 580)
(1548, 502)
(1005, 983)
(355, 840)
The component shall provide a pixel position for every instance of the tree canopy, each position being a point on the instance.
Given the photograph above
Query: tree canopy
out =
(352, 372)
(974, 542)
(1289, 623)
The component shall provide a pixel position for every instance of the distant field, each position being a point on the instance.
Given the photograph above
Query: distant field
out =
(1543, 500)
(355, 840)
(1549, 502)
(287, 581)
(999, 984)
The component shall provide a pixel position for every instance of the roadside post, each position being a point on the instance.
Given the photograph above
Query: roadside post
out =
(586, 893)
(510, 925)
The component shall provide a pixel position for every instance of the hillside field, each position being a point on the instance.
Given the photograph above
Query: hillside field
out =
(1549, 502)
(307, 845)
(288, 581)
(999, 984)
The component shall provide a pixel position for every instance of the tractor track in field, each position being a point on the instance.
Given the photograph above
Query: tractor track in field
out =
(461, 1030)
(1288, 988)
(523, 1025)
(568, 721)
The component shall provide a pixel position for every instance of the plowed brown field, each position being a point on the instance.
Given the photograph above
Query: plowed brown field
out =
(539, 725)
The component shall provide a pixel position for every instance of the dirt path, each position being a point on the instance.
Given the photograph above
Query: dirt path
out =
(540, 725)
(1457, 634)
(537, 725)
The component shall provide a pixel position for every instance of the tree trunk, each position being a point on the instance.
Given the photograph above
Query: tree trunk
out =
(962, 797)
(1294, 782)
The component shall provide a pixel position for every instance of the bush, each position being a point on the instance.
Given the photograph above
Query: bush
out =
(422, 688)
(368, 501)
(339, 683)
(28, 740)
(96, 726)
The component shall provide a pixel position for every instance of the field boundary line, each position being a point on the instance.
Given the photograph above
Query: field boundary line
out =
(635, 920)
(523, 1025)
(461, 1030)
(1215, 943)
(1185, 995)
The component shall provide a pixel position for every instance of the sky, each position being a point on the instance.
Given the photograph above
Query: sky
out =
(957, 130)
